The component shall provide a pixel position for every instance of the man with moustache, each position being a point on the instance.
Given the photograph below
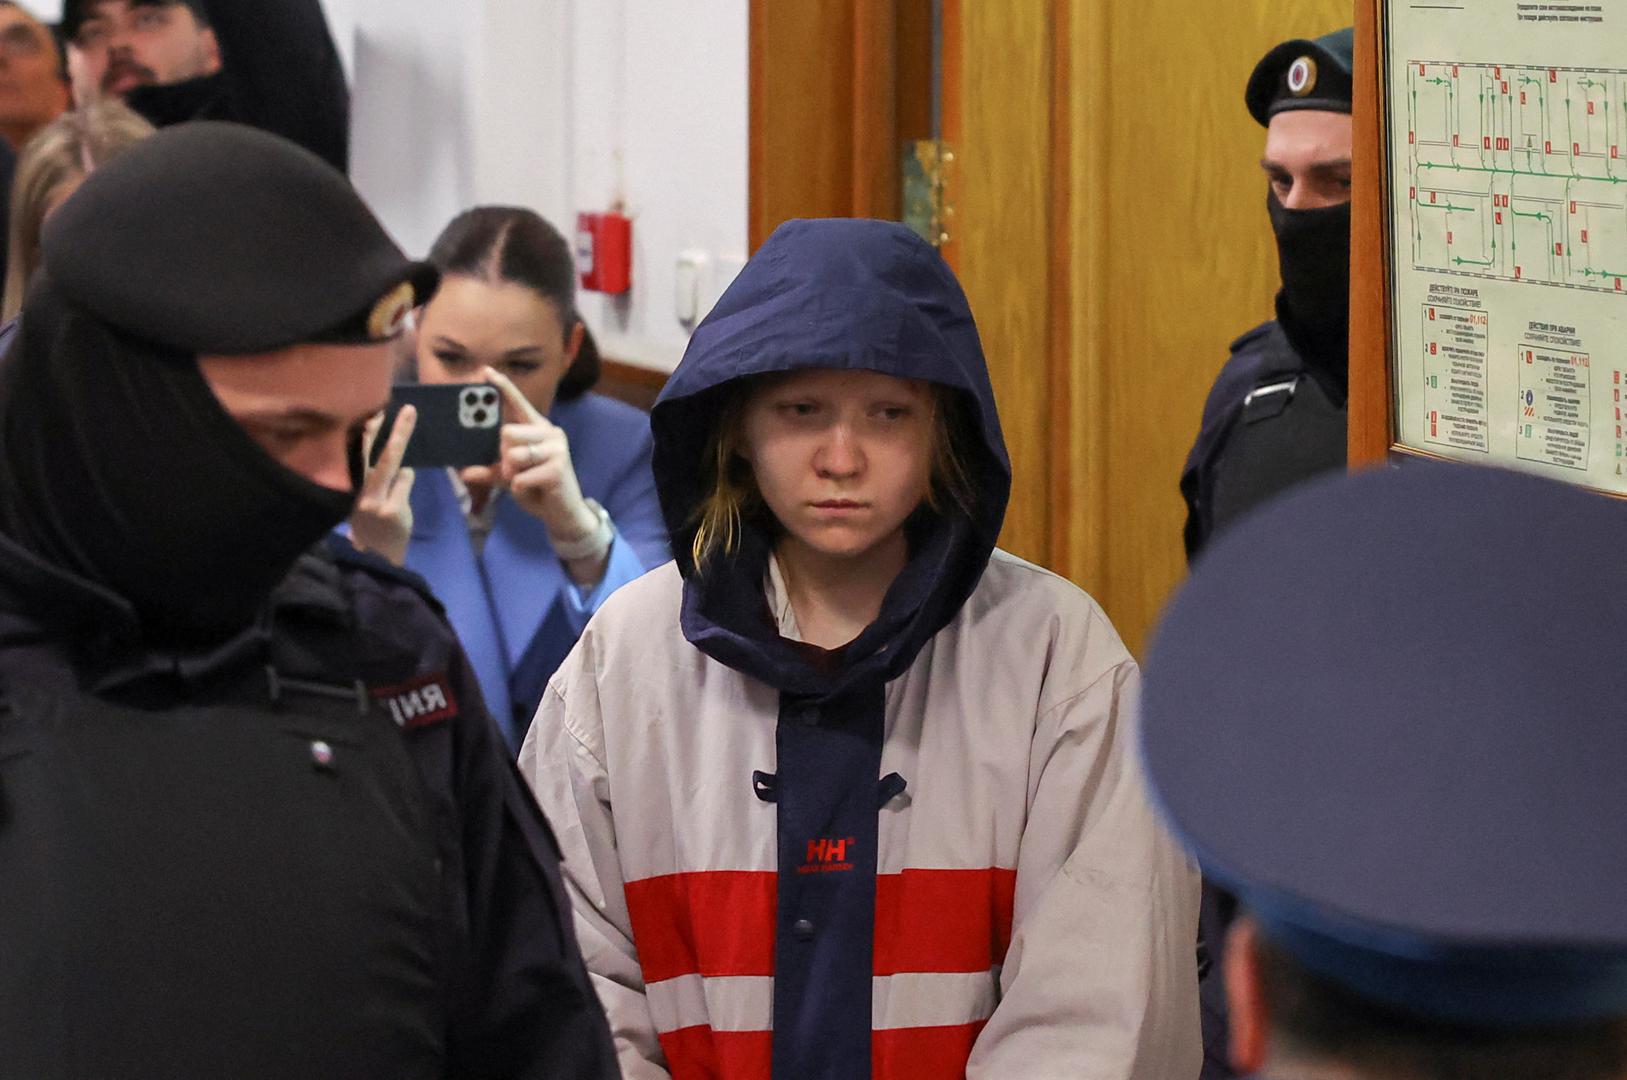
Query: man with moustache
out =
(271, 64)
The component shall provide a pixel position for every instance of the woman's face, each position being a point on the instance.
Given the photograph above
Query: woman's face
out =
(842, 458)
(471, 322)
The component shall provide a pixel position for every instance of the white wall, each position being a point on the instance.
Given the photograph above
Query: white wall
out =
(564, 106)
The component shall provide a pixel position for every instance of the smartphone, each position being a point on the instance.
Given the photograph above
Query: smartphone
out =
(457, 424)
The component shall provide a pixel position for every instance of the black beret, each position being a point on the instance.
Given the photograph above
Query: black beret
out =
(221, 238)
(1303, 74)
(1386, 711)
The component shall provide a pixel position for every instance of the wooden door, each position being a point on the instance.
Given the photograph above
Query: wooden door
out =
(1110, 229)
(1108, 223)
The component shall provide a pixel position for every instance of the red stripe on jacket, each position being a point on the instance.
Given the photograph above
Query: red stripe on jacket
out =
(721, 922)
(943, 920)
(699, 1053)
(718, 922)
(930, 1053)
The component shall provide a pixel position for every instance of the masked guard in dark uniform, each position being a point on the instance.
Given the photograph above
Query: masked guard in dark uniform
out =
(1427, 851)
(255, 821)
(1276, 414)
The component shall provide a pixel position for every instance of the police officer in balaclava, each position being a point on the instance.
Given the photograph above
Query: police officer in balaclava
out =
(1276, 414)
(255, 821)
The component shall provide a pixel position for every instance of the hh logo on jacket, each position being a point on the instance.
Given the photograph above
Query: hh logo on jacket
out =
(827, 856)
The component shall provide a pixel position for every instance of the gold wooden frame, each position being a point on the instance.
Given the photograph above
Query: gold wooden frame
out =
(1372, 412)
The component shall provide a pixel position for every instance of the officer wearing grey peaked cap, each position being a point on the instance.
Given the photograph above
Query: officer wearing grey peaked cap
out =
(1427, 853)
(254, 819)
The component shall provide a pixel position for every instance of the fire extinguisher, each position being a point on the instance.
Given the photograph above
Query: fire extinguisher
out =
(604, 252)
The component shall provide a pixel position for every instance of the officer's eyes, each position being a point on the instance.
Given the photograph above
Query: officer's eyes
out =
(151, 18)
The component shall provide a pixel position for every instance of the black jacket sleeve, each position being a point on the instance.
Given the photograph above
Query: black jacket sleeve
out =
(283, 74)
(520, 1004)
(528, 1009)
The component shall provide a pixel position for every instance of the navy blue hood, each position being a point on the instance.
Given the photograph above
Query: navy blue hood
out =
(852, 294)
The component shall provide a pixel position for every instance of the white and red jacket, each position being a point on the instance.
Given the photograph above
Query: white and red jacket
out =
(1032, 918)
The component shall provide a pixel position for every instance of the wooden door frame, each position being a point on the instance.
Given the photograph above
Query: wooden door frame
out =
(1371, 418)
(823, 129)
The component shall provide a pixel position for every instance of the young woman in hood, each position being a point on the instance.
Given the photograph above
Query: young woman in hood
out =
(845, 792)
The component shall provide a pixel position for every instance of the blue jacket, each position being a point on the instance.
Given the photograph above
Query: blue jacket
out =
(515, 608)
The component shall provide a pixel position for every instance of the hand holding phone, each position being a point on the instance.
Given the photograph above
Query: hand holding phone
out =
(459, 424)
(382, 520)
(537, 468)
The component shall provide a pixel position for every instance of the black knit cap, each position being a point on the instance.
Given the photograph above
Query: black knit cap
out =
(1304, 74)
(75, 12)
(221, 238)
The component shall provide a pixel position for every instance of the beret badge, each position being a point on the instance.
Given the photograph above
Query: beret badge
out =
(1302, 76)
(389, 315)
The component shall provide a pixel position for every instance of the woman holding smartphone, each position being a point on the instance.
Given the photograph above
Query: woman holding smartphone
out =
(521, 552)
(845, 791)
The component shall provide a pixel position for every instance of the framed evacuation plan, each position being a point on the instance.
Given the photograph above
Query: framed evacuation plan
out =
(1500, 128)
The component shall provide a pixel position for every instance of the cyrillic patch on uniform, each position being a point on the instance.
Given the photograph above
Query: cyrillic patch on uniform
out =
(423, 702)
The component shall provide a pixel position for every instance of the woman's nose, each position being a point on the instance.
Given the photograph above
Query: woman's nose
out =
(840, 454)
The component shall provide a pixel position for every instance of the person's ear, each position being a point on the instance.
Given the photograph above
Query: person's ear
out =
(211, 51)
(1248, 1018)
(573, 342)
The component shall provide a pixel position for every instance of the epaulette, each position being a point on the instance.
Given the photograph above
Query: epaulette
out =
(1262, 331)
(349, 557)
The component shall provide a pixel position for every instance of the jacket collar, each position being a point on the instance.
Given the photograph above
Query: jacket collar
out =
(102, 634)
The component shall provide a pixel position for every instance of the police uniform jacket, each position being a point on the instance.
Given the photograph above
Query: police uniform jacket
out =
(1272, 420)
(302, 853)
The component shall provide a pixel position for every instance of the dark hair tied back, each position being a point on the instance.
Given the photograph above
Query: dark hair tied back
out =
(513, 244)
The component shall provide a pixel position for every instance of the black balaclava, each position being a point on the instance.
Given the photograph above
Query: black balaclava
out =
(1313, 252)
(119, 466)
(163, 104)
(1313, 246)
